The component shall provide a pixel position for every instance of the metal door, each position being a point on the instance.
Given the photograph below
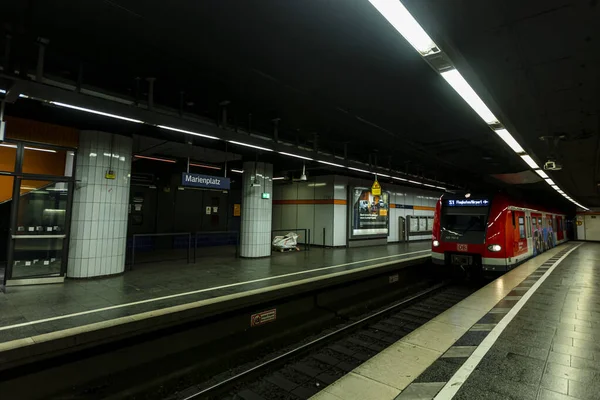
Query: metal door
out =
(401, 229)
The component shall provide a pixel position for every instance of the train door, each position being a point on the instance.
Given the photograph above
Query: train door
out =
(528, 233)
(520, 235)
(560, 232)
(536, 234)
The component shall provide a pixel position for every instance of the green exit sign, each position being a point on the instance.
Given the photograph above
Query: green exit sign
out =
(266, 195)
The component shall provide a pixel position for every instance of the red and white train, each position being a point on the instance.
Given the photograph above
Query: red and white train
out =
(492, 233)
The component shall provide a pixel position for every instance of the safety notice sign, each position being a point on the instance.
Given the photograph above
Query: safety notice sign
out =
(263, 317)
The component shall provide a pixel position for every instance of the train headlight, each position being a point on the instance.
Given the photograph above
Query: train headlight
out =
(494, 247)
(436, 243)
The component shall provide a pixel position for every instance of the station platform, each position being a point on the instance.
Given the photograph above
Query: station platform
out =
(44, 319)
(531, 334)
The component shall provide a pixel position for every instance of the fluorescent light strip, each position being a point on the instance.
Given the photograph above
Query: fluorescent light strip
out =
(170, 128)
(530, 161)
(458, 83)
(360, 170)
(14, 146)
(414, 182)
(384, 175)
(156, 159)
(541, 173)
(510, 141)
(96, 112)
(249, 145)
(2, 91)
(238, 171)
(294, 155)
(400, 179)
(205, 166)
(330, 163)
(278, 178)
(550, 181)
(397, 15)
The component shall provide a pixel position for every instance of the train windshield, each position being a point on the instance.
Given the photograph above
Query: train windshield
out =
(464, 221)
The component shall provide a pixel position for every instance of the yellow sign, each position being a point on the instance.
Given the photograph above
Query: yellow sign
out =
(110, 174)
(579, 223)
(237, 210)
(376, 188)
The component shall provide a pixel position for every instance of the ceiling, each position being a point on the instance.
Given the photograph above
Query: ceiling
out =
(337, 74)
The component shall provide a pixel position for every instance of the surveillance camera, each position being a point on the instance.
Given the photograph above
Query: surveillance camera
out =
(552, 165)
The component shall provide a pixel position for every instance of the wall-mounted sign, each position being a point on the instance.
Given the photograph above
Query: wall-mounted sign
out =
(266, 195)
(468, 203)
(263, 317)
(376, 188)
(205, 181)
(208, 210)
(110, 174)
(237, 210)
(369, 213)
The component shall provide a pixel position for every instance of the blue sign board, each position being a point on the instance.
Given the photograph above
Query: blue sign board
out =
(468, 203)
(205, 181)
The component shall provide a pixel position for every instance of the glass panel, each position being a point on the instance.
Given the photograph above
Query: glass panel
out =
(42, 208)
(8, 157)
(422, 224)
(42, 161)
(36, 257)
(39, 237)
(414, 224)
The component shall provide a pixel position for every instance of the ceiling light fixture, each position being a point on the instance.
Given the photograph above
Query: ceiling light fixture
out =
(249, 145)
(330, 163)
(205, 166)
(2, 91)
(530, 161)
(414, 182)
(294, 155)
(14, 146)
(170, 128)
(399, 179)
(360, 170)
(510, 141)
(541, 173)
(238, 171)
(96, 112)
(167, 160)
(458, 83)
(278, 178)
(409, 28)
(550, 181)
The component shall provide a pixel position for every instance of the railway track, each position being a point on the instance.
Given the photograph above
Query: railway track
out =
(304, 370)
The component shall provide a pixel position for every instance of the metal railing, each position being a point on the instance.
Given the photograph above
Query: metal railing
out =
(230, 237)
(305, 239)
(137, 238)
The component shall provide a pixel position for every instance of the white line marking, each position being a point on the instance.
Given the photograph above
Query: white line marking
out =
(172, 296)
(460, 377)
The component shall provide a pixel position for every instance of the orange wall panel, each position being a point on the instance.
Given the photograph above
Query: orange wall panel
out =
(41, 132)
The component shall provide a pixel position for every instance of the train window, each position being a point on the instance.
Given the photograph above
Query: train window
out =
(540, 222)
(522, 228)
(528, 226)
(513, 218)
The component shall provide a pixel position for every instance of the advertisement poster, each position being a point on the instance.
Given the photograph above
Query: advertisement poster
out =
(370, 213)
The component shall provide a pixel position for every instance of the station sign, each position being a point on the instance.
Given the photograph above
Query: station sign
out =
(376, 188)
(205, 181)
(468, 203)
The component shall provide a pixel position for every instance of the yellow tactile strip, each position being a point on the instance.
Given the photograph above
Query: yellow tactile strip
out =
(388, 373)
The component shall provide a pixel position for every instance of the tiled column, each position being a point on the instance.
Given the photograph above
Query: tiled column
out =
(257, 212)
(100, 205)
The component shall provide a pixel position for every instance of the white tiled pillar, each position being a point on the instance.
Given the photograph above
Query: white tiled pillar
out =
(255, 235)
(100, 205)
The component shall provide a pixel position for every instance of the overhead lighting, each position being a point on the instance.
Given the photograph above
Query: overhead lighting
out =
(384, 175)
(330, 163)
(462, 87)
(440, 187)
(167, 160)
(541, 173)
(427, 184)
(404, 22)
(170, 128)
(359, 170)
(294, 155)
(399, 179)
(278, 178)
(510, 141)
(249, 145)
(2, 91)
(12, 146)
(317, 184)
(550, 182)
(238, 171)
(205, 166)
(530, 161)
(554, 187)
(96, 112)
(414, 182)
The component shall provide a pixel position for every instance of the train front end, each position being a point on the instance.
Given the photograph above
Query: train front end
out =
(464, 235)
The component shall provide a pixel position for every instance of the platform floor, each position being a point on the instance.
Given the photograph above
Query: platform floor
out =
(28, 311)
(533, 333)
